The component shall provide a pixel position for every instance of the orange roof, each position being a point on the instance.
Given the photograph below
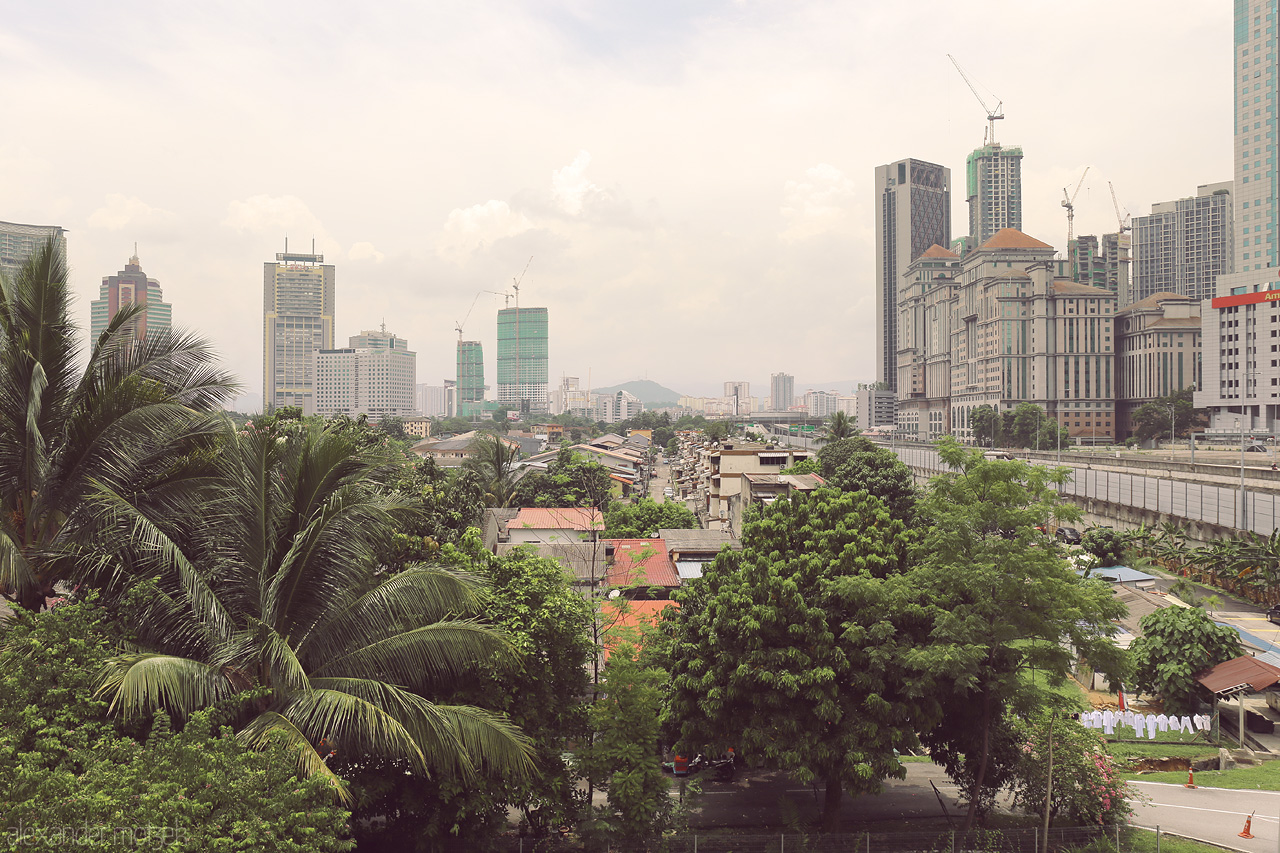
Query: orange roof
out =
(641, 561)
(625, 619)
(1238, 672)
(936, 251)
(1012, 238)
(557, 518)
(1154, 300)
(1067, 287)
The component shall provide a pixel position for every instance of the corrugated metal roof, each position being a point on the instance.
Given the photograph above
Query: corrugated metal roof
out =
(1238, 672)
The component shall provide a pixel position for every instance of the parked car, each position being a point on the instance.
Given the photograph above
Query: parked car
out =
(1273, 615)
(1069, 535)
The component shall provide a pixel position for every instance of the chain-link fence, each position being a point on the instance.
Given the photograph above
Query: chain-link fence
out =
(1094, 839)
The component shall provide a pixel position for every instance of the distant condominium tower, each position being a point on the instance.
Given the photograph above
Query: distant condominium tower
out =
(130, 286)
(1102, 263)
(782, 391)
(993, 187)
(1184, 245)
(469, 392)
(913, 212)
(298, 312)
(432, 400)
(738, 394)
(19, 242)
(374, 375)
(522, 359)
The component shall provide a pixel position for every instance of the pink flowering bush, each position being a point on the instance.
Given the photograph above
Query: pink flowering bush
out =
(1086, 788)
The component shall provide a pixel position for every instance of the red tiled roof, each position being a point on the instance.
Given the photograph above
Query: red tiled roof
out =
(625, 619)
(641, 561)
(1012, 238)
(557, 518)
(936, 251)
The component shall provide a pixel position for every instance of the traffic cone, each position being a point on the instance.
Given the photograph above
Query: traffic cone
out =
(1247, 823)
(1191, 779)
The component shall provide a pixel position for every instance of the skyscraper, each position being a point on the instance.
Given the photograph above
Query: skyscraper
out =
(913, 199)
(1102, 263)
(19, 242)
(298, 314)
(1240, 375)
(782, 391)
(469, 393)
(993, 187)
(1184, 245)
(130, 286)
(739, 396)
(522, 359)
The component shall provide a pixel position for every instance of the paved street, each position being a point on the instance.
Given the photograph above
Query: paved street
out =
(1215, 815)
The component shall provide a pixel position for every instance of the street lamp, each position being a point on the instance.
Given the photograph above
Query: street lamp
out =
(1172, 437)
(1242, 510)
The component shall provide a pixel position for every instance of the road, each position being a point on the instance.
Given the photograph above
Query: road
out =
(1215, 815)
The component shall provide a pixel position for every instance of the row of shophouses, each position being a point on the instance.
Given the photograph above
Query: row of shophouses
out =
(1007, 324)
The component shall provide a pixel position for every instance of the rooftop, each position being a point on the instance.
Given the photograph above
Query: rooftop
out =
(1012, 238)
(936, 251)
(1154, 300)
(641, 561)
(1067, 287)
(557, 518)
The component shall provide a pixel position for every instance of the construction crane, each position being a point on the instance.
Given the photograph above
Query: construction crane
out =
(1069, 202)
(1123, 221)
(458, 325)
(992, 114)
(515, 285)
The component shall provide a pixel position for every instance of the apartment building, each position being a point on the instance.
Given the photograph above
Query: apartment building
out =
(1157, 352)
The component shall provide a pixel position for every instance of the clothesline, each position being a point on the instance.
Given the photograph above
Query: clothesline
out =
(1141, 724)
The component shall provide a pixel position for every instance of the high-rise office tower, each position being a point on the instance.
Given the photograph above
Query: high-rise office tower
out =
(130, 286)
(469, 393)
(298, 312)
(913, 203)
(1102, 263)
(1184, 245)
(993, 187)
(782, 391)
(374, 375)
(1240, 376)
(522, 359)
(19, 242)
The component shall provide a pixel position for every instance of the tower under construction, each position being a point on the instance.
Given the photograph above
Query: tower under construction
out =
(522, 360)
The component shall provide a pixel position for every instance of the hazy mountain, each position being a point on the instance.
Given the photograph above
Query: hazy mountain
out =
(645, 390)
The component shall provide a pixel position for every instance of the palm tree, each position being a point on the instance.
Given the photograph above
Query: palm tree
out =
(840, 425)
(493, 461)
(275, 608)
(124, 421)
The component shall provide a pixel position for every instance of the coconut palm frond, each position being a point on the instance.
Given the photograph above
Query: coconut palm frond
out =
(139, 683)
(273, 729)
(435, 654)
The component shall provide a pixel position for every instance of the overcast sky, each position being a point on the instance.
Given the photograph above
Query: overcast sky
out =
(692, 180)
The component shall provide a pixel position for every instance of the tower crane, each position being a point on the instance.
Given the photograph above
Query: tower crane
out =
(1069, 202)
(1123, 221)
(458, 325)
(992, 114)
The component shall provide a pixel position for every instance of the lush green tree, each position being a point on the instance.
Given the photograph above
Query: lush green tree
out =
(1004, 603)
(623, 754)
(572, 479)
(1085, 789)
(836, 453)
(1176, 643)
(133, 419)
(672, 446)
(644, 518)
(796, 650)
(717, 431)
(531, 600)
(880, 472)
(804, 466)
(839, 425)
(1029, 427)
(445, 505)
(1151, 420)
(66, 767)
(493, 463)
(1106, 544)
(268, 599)
(985, 422)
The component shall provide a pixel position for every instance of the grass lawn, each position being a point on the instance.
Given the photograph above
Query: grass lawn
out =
(1262, 777)
(1141, 841)
(1071, 693)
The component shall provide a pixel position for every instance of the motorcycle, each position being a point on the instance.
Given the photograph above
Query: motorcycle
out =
(724, 768)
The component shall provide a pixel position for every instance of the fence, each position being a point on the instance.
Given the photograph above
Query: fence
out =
(1192, 501)
(987, 841)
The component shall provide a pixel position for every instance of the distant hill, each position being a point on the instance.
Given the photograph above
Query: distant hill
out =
(645, 390)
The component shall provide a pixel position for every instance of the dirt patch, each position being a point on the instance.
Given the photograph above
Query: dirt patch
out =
(1157, 765)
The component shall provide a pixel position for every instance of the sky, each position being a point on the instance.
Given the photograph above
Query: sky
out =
(689, 184)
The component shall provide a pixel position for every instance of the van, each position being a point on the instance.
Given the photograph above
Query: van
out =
(997, 454)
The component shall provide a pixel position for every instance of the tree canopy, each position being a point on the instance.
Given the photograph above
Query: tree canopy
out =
(572, 479)
(1176, 643)
(1151, 420)
(644, 518)
(796, 650)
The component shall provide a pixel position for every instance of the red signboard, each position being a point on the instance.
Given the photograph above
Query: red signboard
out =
(1246, 299)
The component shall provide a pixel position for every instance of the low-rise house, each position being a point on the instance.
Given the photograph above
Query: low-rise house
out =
(452, 452)
(555, 525)
(730, 462)
(691, 550)
(641, 568)
(764, 489)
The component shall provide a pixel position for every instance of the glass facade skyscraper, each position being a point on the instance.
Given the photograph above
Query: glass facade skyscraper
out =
(298, 316)
(522, 359)
(130, 286)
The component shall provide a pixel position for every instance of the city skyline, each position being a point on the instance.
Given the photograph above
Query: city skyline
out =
(633, 177)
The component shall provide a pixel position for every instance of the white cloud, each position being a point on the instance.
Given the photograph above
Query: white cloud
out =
(121, 211)
(817, 204)
(572, 189)
(364, 251)
(272, 213)
(476, 228)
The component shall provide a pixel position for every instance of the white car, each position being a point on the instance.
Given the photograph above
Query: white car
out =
(668, 492)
